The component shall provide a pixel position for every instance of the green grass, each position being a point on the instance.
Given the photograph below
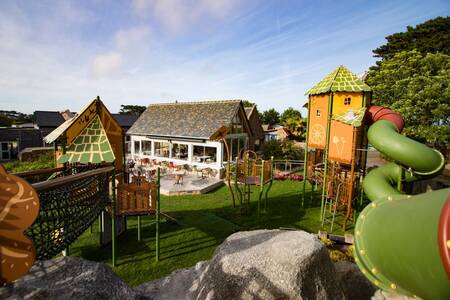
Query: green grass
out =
(204, 221)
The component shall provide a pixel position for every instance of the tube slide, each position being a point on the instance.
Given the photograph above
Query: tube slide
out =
(402, 242)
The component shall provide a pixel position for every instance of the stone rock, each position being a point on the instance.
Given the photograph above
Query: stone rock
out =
(384, 295)
(356, 286)
(69, 278)
(175, 286)
(261, 264)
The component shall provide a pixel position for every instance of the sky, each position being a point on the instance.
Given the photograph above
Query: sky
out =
(57, 55)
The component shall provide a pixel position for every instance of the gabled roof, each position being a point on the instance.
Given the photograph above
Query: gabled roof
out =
(340, 80)
(187, 119)
(48, 118)
(90, 146)
(125, 120)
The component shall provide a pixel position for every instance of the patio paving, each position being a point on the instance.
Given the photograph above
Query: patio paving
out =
(192, 184)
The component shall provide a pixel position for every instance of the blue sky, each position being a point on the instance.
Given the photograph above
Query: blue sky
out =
(61, 54)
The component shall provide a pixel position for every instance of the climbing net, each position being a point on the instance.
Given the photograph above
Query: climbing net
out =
(67, 210)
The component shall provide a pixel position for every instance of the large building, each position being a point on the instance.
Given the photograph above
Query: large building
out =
(182, 132)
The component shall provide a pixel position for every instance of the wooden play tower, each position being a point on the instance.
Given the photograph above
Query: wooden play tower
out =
(335, 155)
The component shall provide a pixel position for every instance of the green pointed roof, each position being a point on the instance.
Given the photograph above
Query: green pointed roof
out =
(90, 146)
(340, 80)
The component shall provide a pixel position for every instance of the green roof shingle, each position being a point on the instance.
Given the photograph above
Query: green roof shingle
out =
(340, 80)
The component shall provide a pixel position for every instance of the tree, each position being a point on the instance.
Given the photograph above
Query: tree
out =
(430, 37)
(416, 86)
(270, 117)
(247, 103)
(290, 113)
(131, 109)
(297, 126)
(5, 121)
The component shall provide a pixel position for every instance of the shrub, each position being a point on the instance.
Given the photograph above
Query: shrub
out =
(42, 162)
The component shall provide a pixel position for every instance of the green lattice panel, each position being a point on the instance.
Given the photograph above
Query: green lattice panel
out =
(90, 146)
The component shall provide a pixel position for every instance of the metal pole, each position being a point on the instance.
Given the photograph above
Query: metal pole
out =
(261, 187)
(305, 161)
(157, 211)
(139, 227)
(400, 178)
(113, 218)
(325, 154)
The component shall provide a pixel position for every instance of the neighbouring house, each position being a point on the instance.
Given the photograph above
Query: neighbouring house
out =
(47, 121)
(276, 132)
(181, 133)
(30, 135)
(15, 139)
(257, 137)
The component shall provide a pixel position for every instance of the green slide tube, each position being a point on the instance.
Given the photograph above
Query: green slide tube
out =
(401, 241)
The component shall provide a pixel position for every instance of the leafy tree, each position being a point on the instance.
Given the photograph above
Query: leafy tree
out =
(285, 149)
(290, 113)
(297, 126)
(247, 103)
(270, 117)
(5, 121)
(131, 109)
(430, 37)
(417, 86)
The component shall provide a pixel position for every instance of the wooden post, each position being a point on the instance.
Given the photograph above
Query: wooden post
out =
(157, 212)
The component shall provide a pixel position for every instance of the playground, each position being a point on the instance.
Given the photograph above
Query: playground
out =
(93, 206)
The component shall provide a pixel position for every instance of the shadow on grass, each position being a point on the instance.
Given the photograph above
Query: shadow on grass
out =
(204, 221)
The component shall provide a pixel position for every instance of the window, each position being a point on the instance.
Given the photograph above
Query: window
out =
(180, 151)
(128, 144)
(203, 154)
(162, 149)
(137, 147)
(147, 147)
(318, 113)
(347, 101)
(8, 150)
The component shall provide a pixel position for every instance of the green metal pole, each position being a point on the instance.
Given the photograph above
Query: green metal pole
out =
(157, 211)
(325, 155)
(305, 162)
(139, 227)
(400, 178)
(113, 218)
(363, 160)
(236, 169)
(261, 187)
(55, 148)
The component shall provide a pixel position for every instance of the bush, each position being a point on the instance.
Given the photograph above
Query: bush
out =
(42, 162)
(286, 149)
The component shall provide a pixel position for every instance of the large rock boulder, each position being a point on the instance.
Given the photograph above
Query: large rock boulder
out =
(261, 264)
(69, 278)
(356, 286)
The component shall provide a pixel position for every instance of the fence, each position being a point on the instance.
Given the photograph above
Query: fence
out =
(68, 206)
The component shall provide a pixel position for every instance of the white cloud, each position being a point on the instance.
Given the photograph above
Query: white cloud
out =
(132, 38)
(106, 64)
(179, 15)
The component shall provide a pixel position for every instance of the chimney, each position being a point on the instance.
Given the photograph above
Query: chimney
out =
(67, 114)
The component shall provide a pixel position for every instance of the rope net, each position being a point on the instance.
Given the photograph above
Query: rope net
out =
(66, 212)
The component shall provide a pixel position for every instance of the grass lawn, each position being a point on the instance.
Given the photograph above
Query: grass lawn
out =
(204, 221)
